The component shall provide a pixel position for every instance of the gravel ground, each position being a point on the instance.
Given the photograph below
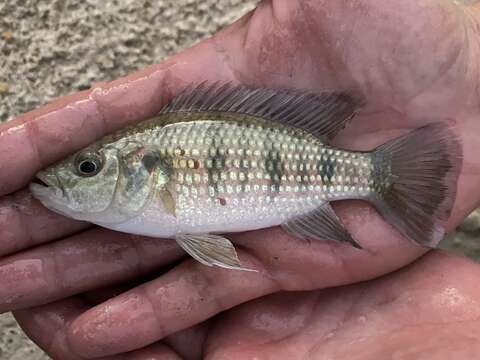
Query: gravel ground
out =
(49, 48)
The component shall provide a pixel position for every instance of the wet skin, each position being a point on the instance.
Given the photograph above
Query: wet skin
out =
(411, 62)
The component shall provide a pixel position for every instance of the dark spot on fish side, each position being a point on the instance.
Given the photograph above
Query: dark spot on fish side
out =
(328, 169)
(149, 160)
(303, 173)
(222, 201)
(381, 173)
(244, 167)
(275, 168)
(217, 160)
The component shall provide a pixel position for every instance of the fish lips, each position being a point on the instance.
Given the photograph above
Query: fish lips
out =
(48, 188)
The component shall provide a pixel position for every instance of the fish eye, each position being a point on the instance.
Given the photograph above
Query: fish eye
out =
(89, 165)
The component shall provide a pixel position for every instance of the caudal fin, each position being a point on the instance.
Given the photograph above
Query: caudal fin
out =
(415, 180)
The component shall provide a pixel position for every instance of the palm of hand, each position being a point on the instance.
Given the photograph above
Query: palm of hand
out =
(424, 311)
(408, 61)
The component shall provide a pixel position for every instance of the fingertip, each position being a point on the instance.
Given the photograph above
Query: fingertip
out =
(120, 325)
(45, 325)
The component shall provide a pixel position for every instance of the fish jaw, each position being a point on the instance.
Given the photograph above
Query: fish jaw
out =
(52, 198)
(50, 192)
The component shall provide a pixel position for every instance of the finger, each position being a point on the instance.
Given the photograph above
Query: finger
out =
(24, 223)
(90, 260)
(46, 325)
(187, 295)
(428, 310)
(188, 343)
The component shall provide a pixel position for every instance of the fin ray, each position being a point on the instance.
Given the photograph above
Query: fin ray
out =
(417, 193)
(320, 224)
(211, 250)
(322, 115)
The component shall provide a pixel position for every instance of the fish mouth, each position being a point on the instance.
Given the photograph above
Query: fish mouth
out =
(41, 180)
(47, 185)
(47, 179)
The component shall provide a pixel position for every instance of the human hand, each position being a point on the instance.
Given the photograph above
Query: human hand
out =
(408, 60)
(424, 311)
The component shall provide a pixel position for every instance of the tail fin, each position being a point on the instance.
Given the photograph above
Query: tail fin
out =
(415, 181)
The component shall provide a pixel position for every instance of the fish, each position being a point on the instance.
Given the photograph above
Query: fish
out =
(224, 158)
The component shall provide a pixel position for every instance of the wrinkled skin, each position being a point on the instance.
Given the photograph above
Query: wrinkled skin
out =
(415, 61)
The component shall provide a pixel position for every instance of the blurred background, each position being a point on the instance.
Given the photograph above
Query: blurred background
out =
(50, 48)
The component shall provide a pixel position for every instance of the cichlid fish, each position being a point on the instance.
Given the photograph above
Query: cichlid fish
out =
(223, 158)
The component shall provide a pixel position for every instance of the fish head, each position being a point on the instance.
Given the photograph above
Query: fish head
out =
(81, 186)
(103, 185)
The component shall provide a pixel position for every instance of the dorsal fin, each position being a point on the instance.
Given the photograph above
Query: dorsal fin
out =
(322, 115)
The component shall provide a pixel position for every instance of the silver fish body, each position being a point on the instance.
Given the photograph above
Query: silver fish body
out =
(228, 175)
(224, 159)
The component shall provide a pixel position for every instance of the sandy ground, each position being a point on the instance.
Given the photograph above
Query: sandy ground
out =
(50, 48)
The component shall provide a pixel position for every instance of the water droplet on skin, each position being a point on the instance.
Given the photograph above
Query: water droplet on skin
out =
(362, 319)
(452, 297)
(329, 335)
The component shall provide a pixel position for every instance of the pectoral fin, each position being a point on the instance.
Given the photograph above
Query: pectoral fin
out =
(320, 224)
(211, 250)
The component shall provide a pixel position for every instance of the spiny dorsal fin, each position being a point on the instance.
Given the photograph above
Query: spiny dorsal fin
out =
(322, 115)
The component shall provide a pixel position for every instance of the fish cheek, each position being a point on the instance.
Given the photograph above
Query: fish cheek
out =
(139, 175)
(133, 190)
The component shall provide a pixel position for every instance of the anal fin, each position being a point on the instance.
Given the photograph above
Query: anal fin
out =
(211, 250)
(320, 224)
